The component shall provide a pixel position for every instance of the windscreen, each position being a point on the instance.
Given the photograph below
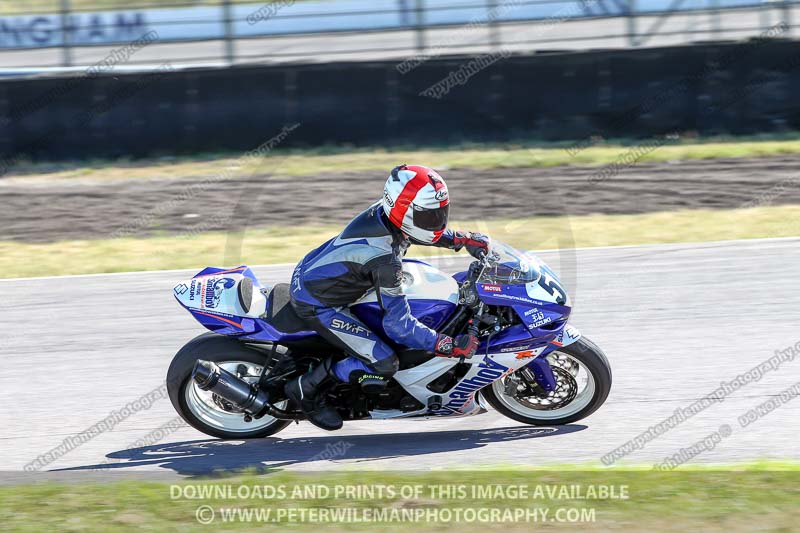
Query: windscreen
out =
(509, 266)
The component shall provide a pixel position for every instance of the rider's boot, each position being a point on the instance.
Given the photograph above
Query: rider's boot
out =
(305, 391)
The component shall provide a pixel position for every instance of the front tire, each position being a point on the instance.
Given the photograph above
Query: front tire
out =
(584, 355)
(198, 407)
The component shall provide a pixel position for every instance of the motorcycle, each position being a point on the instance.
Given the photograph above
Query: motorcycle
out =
(531, 365)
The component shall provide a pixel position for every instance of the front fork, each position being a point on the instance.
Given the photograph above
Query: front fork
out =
(543, 373)
(541, 366)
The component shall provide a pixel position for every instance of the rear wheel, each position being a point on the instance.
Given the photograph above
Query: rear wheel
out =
(583, 381)
(206, 411)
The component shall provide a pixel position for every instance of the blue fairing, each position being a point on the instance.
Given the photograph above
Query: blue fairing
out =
(542, 322)
(460, 276)
(225, 323)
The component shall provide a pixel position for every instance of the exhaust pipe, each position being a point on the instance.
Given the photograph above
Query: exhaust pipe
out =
(210, 377)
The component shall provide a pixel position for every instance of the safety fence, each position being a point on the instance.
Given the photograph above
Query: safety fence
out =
(55, 34)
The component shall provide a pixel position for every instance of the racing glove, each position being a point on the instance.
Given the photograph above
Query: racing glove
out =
(477, 243)
(462, 346)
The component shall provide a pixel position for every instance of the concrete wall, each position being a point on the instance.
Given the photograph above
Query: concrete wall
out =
(726, 88)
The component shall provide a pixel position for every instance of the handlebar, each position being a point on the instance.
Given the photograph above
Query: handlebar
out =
(477, 267)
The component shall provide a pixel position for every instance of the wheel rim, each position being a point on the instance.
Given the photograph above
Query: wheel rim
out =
(566, 368)
(203, 406)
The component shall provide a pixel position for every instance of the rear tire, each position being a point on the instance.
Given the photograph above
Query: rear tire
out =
(219, 349)
(587, 354)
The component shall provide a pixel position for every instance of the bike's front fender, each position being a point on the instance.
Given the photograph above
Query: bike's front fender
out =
(541, 366)
(568, 335)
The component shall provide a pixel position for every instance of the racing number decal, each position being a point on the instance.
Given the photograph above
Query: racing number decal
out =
(548, 282)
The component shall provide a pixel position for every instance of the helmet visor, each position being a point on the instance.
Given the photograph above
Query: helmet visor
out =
(431, 219)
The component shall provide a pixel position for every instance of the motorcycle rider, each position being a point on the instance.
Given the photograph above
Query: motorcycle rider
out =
(368, 255)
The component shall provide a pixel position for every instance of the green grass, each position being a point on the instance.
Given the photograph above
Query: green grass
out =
(741, 498)
(348, 159)
(281, 245)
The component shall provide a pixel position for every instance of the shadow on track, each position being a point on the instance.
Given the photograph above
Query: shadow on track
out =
(206, 457)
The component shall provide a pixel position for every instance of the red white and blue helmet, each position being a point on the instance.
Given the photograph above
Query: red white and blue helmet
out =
(415, 199)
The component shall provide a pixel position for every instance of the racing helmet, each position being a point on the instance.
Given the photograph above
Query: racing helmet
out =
(415, 200)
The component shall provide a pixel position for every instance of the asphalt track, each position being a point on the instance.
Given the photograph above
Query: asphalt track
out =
(675, 321)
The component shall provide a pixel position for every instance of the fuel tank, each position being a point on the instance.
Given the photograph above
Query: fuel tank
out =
(432, 296)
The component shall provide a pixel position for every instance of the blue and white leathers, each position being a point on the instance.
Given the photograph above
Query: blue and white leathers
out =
(366, 255)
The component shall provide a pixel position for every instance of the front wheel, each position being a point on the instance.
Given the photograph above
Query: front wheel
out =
(205, 411)
(583, 381)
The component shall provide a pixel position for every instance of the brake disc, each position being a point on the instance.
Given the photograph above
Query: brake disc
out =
(564, 361)
(565, 391)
